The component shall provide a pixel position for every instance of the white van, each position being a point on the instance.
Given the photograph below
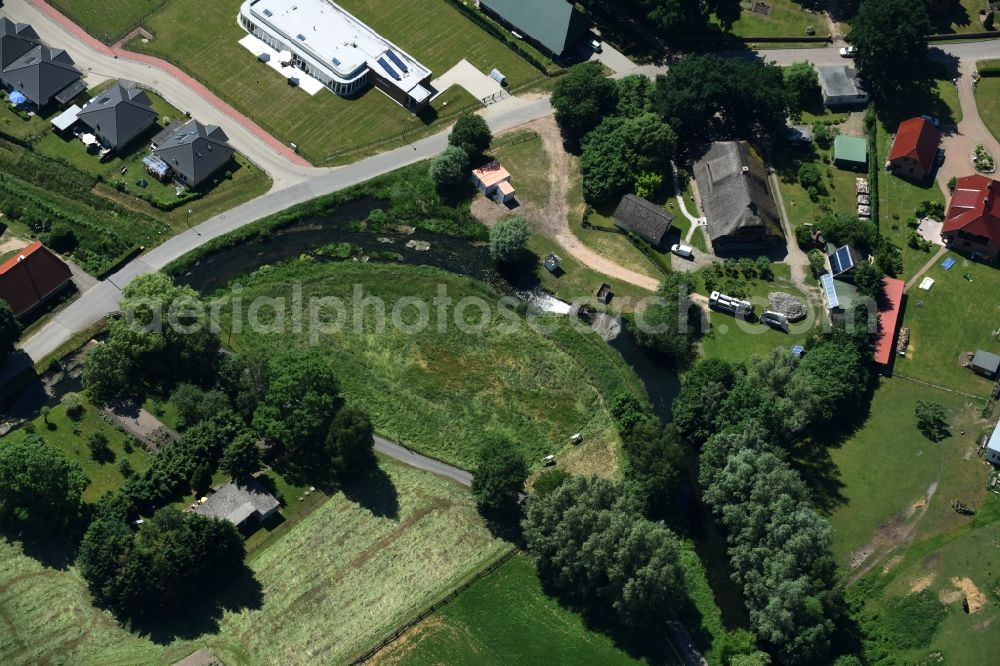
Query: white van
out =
(682, 250)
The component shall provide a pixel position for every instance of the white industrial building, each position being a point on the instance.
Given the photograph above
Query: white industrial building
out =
(332, 46)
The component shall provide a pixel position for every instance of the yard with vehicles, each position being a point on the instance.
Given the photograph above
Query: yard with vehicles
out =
(418, 535)
(436, 392)
(328, 129)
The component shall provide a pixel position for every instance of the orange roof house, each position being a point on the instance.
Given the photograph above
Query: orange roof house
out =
(972, 223)
(888, 321)
(31, 276)
(494, 181)
(914, 149)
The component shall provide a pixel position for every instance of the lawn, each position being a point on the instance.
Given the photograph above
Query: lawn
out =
(964, 18)
(988, 102)
(437, 388)
(957, 315)
(786, 19)
(329, 129)
(417, 535)
(18, 127)
(71, 438)
(888, 465)
(605, 239)
(523, 155)
(108, 20)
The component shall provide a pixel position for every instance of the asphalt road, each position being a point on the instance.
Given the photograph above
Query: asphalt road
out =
(413, 459)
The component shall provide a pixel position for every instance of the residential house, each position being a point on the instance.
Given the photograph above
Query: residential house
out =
(16, 39)
(914, 149)
(43, 75)
(494, 182)
(840, 87)
(972, 223)
(993, 447)
(850, 152)
(194, 152)
(31, 277)
(737, 199)
(552, 26)
(985, 363)
(119, 115)
(245, 504)
(643, 218)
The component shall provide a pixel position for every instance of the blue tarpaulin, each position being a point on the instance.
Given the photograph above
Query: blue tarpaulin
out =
(947, 263)
(17, 98)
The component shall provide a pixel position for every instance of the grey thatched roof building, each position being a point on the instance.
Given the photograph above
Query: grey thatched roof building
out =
(737, 199)
(643, 218)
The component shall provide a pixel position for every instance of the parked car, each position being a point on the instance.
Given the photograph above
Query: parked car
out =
(682, 250)
(847, 52)
(596, 45)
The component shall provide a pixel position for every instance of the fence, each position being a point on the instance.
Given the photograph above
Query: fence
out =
(430, 610)
(514, 140)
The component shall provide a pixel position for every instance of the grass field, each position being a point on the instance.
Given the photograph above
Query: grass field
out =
(988, 101)
(523, 155)
(958, 315)
(71, 438)
(786, 19)
(329, 129)
(108, 20)
(438, 392)
(418, 535)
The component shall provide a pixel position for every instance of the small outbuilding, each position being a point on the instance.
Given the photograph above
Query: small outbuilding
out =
(494, 181)
(850, 152)
(67, 119)
(993, 447)
(985, 363)
(643, 218)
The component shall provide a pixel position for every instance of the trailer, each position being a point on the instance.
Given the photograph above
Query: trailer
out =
(730, 306)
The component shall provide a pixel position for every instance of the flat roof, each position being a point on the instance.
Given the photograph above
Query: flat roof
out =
(888, 320)
(337, 41)
(66, 118)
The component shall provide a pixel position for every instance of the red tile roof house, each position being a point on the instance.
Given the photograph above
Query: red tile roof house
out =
(972, 224)
(914, 150)
(30, 277)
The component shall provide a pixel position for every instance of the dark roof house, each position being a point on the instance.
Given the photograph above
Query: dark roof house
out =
(972, 223)
(239, 503)
(643, 218)
(16, 39)
(195, 151)
(552, 25)
(43, 74)
(119, 115)
(739, 207)
(31, 276)
(840, 86)
(914, 149)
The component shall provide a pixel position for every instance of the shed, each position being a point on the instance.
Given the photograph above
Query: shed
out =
(643, 218)
(66, 119)
(850, 152)
(498, 76)
(985, 363)
(993, 447)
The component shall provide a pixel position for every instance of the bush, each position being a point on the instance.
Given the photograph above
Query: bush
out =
(62, 239)
(449, 168)
(932, 420)
(471, 134)
(811, 179)
(817, 263)
(952, 184)
(74, 405)
(508, 239)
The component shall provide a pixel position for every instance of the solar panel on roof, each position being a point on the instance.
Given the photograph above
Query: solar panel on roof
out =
(268, 12)
(841, 261)
(395, 58)
(301, 37)
(831, 292)
(388, 69)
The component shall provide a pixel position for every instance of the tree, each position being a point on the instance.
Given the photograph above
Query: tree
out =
(471, 134)
(627, 410)
(73, 404)
(811, 179)
(830, 379)
(619, 151)
(241, 457)
(450, 168)
(195, 404)
(684, 19)
(582, 98)
(548, 481)
(302, 397)
(652, 460)
(817, 263)
(508, 238)
(10, 329)
(62, 238)
(97, 442)
(501, 470)
(932, 420)
(125, 467)
(244, 378)
(40, 488)
(665, 325)
(695, 411)
(870, 280)
(634, 95)
(105, 545)
(802, 84)
(350, 441)
(647, 184)
(891, 41)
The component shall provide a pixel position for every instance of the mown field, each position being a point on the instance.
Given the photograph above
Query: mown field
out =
(329, 129)
(438, 390)
(988, 102)
(108, 20)
(414, 533)
(786, 18)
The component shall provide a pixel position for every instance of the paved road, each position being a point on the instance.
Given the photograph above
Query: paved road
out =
(413, 459)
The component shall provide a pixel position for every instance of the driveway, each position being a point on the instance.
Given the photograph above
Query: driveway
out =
(465, 74)
(959, 144)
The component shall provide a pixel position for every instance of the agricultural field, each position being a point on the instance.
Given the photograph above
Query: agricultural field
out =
(988, 101)
(328, 129)
(436, 390)
(108, 20)
(415, 533)
(958, 314)
(71, 435)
